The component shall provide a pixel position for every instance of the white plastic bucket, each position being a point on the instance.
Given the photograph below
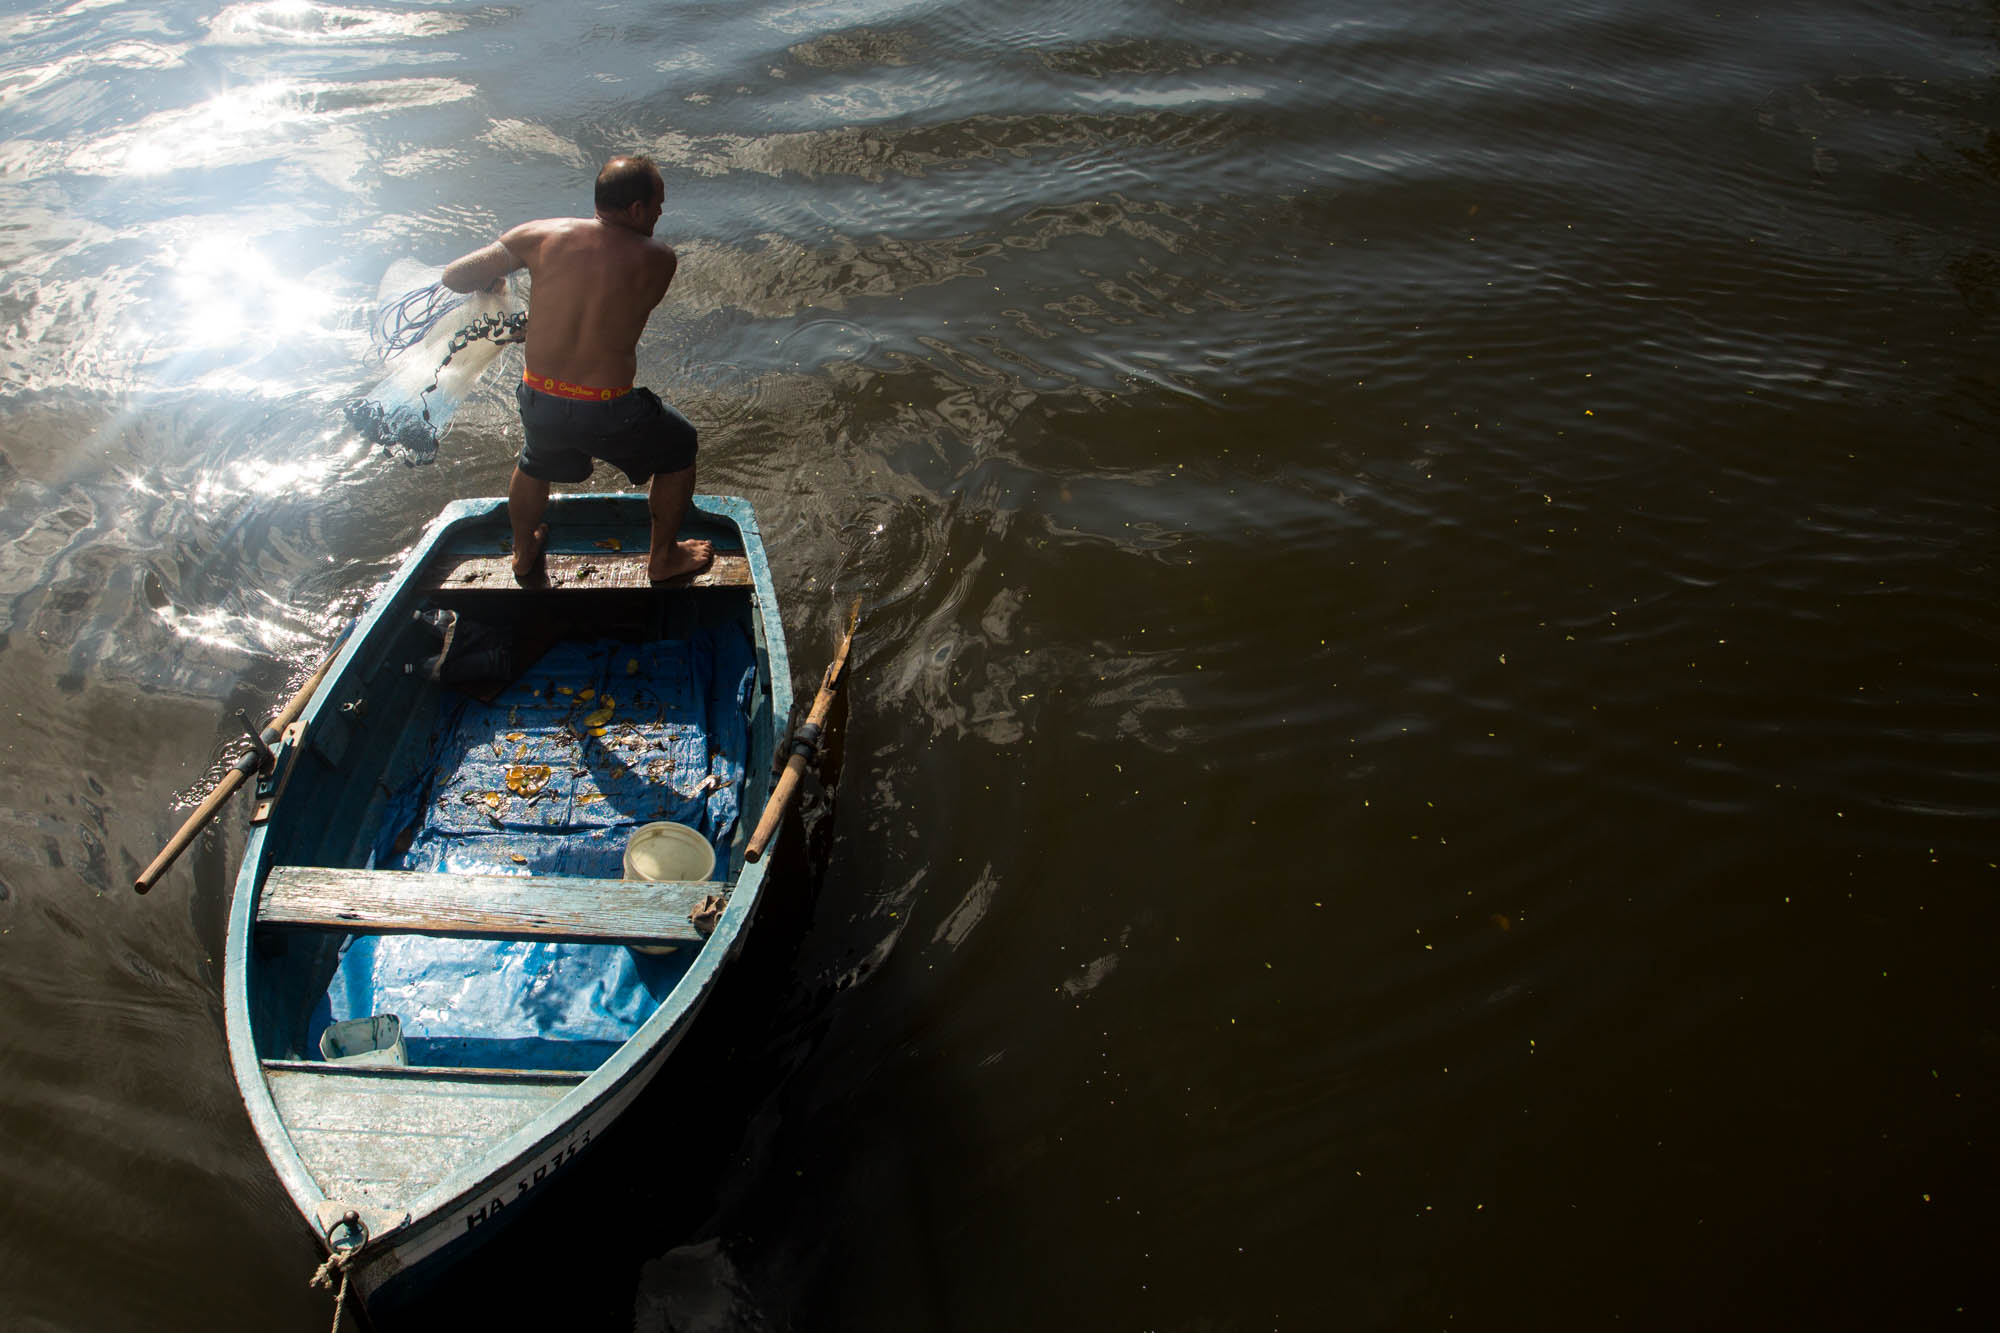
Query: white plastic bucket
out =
(668, 852)
(377, 1040)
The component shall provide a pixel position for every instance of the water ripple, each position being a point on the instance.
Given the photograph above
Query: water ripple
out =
(296, 22)
(1540, 454)
(23, 83)
(252, 124)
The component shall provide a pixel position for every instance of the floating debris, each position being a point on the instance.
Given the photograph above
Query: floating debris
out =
(527, 779)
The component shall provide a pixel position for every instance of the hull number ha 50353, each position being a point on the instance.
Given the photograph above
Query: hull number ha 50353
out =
(490, 1209)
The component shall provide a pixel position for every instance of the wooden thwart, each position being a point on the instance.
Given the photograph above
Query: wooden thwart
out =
(427, 1073)
(500, 907)
(389, 1141)
(604, 569)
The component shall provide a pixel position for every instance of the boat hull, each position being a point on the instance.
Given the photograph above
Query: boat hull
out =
(419, 1255)
(396, 1241)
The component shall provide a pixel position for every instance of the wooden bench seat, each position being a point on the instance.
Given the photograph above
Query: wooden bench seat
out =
(500, 907)
(602, 569)
(433, 1073)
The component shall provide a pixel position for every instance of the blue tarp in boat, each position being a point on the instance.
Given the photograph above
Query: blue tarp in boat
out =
(551, 778)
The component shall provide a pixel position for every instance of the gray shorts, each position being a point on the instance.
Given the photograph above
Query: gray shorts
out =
(634, 431)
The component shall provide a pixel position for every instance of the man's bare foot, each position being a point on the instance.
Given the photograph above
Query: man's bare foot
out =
(679, 560)
(531, 566)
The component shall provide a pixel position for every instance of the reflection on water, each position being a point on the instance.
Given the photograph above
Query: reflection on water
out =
(304, 22)
(1421, 704)
(259, 122)
(17, 84)
(224, 293)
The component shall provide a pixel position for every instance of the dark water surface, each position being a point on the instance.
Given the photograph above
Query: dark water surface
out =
(1424, 752)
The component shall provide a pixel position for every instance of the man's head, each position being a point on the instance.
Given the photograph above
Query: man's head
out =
(630, 192)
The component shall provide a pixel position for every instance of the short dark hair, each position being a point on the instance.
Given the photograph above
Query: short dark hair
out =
(626, 181)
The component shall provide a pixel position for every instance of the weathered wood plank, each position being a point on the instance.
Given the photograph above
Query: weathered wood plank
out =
(604, 569)
(505, 907)
(433, 1073)
(387, 1141)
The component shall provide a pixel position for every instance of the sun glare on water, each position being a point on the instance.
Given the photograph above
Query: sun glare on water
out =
(230, 294)
(240, 325)
(221, 130)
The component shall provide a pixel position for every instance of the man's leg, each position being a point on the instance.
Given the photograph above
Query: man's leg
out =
(667, 503)
(527, 501)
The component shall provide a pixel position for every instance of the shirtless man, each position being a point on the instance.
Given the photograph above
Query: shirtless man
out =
(595, 282)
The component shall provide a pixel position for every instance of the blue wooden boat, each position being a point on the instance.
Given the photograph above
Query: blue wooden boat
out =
(441, 987)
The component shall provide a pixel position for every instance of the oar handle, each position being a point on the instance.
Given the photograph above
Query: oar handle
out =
(774, 809)
(191, 830)
(805, 743)
(233, 779)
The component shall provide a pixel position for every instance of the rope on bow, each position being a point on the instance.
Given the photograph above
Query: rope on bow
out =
(338, 1257)
(335, 1263)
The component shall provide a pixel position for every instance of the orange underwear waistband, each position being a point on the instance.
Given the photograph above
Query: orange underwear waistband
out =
(583, 393)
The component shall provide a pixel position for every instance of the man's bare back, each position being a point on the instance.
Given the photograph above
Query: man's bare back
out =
(595, 282)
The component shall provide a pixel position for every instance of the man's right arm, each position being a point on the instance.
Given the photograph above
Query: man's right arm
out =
(480, 269)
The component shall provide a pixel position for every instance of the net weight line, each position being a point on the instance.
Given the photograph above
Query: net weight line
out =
(403, 324)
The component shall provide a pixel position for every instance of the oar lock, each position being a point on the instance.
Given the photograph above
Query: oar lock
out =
(260, 759)
(805, 742)
(271, 782)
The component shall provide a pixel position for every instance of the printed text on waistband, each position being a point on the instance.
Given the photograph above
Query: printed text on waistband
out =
(564, 389)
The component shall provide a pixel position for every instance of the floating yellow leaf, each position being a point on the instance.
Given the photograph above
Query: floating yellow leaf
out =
(631, 666)
(612, 544)
(597, 731)
(586, 695)
(519, 859)
(493, 799)
(515, 736)
(597, 720)
(564, 689)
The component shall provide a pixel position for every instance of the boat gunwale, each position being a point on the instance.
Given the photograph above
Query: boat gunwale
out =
(638, 1057)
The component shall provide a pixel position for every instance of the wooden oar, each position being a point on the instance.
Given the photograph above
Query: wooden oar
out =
(805, 742)
(234, 778)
